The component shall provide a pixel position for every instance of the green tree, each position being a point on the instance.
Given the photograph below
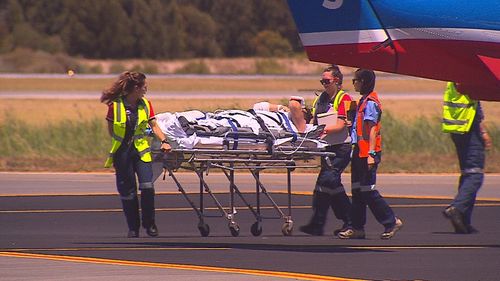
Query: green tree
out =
(275, 15)
(235, 26)
(201, 33)
(176, 38)
(79, 35)
(24, 35)
(142, 25)
(47, 17)
(148, 28)
(270, 43)
(158, 29)
(99, 29)
(14, 14)
(115, 39)
(5, 36)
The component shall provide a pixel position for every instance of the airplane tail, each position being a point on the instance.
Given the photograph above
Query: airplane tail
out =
(445, 40)
(345, 32)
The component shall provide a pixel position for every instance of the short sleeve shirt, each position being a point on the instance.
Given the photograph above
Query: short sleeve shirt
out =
(372, 113)
(341, 109)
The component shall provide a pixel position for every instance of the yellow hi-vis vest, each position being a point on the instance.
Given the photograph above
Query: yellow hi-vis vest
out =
(336, 102)
(459, 111)
(141, 142)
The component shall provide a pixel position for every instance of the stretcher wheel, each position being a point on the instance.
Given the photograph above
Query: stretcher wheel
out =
(234, 228)
(204, 229)
(256, 229)
(287, 228)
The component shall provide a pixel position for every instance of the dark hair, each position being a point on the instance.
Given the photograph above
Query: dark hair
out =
(368, 79)
(125, 84)
(335, 70)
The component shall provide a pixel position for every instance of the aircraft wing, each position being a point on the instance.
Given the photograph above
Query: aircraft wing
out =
(444, 40)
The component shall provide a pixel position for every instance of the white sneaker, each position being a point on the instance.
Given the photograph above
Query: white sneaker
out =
(390, 232)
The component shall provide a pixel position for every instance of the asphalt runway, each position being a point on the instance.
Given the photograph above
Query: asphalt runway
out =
(70, 227)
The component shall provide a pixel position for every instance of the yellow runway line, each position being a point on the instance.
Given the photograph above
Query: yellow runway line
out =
(186, 209)
(415, 247)
(281, 274)
(113, 249)
(305, 193)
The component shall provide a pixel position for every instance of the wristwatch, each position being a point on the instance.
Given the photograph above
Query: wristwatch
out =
(372, 153)
(164, 141)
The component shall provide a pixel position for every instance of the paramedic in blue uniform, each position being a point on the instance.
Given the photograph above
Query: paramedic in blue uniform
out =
(130, 116)
(463, 120)
(329, 190)
(366, 155)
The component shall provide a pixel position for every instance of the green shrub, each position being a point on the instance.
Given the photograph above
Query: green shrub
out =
(271, 44)
(194, 67)
(96, 69)
(419, 135)
(149, 68)
(269, 66)
(116, 68)
(24, 60)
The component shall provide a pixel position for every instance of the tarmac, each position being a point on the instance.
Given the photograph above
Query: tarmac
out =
(69, 226)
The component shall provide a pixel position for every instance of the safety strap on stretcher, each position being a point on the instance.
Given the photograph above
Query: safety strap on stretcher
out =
(235, 130)
(289, 126)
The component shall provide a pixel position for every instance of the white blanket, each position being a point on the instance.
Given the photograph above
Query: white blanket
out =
(275, 122)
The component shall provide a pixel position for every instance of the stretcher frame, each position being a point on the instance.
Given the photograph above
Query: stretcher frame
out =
(201, 161)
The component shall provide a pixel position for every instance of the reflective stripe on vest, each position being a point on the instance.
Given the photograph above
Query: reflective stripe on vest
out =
(362, 132)
(141, 143)
(336, 102)
(459, 111)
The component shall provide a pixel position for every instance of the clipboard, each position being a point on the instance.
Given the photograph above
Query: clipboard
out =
(329, 118)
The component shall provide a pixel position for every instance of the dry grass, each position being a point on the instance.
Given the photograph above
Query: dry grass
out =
(210, 84)
(41, 112)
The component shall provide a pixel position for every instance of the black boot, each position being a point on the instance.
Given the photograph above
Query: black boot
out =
(148, 211)
(131, 211)
(321, 203)
(341, 206)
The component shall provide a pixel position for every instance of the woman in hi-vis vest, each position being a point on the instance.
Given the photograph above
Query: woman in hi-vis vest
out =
(129, 117)
(329, 192)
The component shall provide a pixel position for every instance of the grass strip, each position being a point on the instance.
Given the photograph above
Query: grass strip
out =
(417, 145)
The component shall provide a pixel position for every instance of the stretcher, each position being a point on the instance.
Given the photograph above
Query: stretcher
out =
(232, 151)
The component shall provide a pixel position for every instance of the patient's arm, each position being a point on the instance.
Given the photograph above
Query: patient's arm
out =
(297, 115)
(267, 106)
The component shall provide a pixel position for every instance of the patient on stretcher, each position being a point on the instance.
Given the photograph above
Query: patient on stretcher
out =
(297, 112)
(262, 122)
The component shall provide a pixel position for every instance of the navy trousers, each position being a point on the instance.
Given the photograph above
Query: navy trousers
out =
(363, 180)
(128, 164)
(470, 150)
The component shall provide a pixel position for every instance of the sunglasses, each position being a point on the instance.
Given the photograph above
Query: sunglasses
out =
(325, 82)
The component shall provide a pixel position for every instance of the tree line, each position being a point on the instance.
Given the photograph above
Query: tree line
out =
(155, 29)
